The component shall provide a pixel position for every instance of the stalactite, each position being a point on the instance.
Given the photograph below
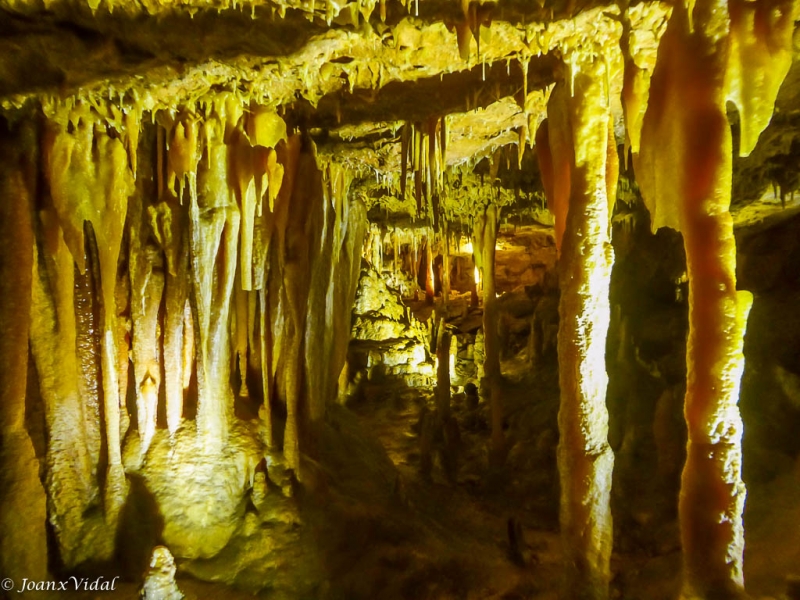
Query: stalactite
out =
(169, 223)
(90, 180)
(71, 487)
(24, 552)
(635, 86)
(241, 328)
(759, 58)
(273, 301)
(580, 141)
(323, 206)
(214, 227)
(555, 152)
(243, 184)
(123, 338)
(87, 349)
(146, 271)
(345, 278)
(688, 188)
(265, 410)
(429, 283)
(334, 277)
(445, 263)
(296, 269)
(395, 254)
(484, 242)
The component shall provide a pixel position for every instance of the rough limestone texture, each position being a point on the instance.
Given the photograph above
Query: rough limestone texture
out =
(387, 340)
(159, 581)
(23, 544)
(200, 492)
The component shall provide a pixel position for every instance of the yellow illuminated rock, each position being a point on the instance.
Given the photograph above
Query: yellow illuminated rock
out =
(585, 459)
(282, 283)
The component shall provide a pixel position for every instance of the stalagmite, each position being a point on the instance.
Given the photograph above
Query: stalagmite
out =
(23, 552)
(689, 188)
(443, 344)
(579, 139)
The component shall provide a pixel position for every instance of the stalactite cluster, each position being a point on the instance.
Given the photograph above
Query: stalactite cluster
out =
(207, 243)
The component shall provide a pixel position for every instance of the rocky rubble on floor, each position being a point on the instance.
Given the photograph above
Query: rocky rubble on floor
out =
(388, 342)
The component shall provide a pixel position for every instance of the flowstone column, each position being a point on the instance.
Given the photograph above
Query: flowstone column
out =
(23, 552)
(580, 141)
(721, 51)
(484, 242)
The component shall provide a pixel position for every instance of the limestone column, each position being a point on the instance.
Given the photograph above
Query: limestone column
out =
(723, 51)
(214, 235)
(23, 552)
(445, 263)
(584, 178)
(429, 284)
(443, 371)
(484, 243)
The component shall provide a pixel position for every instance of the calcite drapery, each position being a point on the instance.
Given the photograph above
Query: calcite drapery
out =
(163, 285)
(90, 180)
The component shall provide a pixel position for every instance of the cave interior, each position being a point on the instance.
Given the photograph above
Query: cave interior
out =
(400, 299)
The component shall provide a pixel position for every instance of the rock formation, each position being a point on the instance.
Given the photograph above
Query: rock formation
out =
(266, 262)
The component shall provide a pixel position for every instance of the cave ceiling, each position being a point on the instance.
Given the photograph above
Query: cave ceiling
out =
(364, 80)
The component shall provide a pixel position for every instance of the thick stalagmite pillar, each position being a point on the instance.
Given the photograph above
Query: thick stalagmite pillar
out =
(579, 138)
(721, 51)
(23, 551)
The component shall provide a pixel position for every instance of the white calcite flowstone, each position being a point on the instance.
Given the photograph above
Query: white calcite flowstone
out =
(159, 580)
